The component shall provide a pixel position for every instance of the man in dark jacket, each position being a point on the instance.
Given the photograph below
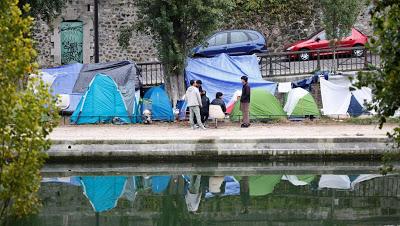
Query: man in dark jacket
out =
(204, 111)
(219, 101)
(245, 102)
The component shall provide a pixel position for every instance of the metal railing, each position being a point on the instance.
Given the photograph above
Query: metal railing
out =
(289, 63)
(152, 73)
(307, 62)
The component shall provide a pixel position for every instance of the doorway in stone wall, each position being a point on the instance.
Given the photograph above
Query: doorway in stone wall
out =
(71, 42)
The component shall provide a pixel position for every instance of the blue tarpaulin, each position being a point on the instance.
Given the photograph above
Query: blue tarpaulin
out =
(64, 81)
(65, 78)
(222, 74)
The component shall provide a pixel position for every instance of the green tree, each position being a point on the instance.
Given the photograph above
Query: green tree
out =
(338, 17)
(385, 81)
(176, 26)
(27, 115)
(44, 9)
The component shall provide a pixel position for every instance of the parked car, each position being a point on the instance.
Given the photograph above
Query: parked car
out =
(318, 41)
(232, 42)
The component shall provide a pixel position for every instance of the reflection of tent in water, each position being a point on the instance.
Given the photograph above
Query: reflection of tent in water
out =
(159, 183)
(298, 180)
(232, 187)
(101, 103)
(103, 192)
(263, 105)
(262, 185)
(343, 181)
(64, 180)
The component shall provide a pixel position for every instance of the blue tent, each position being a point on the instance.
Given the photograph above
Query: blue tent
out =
(157, 101)
(222, 74)
(64, 82)
(103, 192)
(355, 108)
(159, 183)
(101, 103)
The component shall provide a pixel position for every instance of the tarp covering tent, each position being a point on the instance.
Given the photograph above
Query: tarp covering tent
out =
(159, 183)
(64, 78)
(103, 192)
(124, 74)
(222, 74)
(300, 103)
(157, 101)
(263, 105)
(101, 103)
(337, 99)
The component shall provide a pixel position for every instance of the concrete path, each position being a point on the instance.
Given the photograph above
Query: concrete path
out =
(176, 142)
(165, 131)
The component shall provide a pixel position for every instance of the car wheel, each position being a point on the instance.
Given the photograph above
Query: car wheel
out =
(358, 52)
(304, 56)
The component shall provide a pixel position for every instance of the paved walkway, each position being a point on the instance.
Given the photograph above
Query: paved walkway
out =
(164, 131)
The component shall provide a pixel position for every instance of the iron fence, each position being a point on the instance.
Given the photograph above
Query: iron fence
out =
(307, 62)
(290, 63)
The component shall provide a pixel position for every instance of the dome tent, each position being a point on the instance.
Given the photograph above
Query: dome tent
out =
(101, 103)
(157, 101)
(263, 105)
(300, 103)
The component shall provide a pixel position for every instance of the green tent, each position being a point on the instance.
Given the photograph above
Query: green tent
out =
(263, 105)
(300, 103)
(262, 185)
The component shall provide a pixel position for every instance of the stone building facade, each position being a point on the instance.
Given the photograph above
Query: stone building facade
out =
(71, 34)
(113, 16)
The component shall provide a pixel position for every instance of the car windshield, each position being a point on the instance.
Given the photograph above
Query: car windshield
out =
(313, 35)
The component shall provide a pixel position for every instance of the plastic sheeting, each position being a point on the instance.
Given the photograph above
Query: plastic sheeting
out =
(222, 74)
(103, 192)
(101, 103)
(64, 78)
(344, 181)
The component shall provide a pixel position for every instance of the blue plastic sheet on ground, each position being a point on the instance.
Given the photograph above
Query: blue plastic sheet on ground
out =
(222, 74)
(307, 82)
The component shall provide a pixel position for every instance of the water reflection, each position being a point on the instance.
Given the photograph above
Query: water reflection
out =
(226, 200)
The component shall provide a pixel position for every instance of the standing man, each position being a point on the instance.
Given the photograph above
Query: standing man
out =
(205, 109)
(193, 100)
(245, 102)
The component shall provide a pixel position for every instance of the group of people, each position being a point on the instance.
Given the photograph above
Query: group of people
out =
(198, 103)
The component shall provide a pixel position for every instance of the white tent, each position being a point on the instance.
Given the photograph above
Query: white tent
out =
(336, 96)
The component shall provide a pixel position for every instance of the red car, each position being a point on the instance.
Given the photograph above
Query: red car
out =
(318, 41)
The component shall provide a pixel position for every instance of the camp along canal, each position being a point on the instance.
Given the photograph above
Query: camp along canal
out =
(321, 193)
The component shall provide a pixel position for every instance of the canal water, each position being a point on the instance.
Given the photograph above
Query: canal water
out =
(206, 197)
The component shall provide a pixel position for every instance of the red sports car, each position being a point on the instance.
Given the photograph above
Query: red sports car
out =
(318, 41)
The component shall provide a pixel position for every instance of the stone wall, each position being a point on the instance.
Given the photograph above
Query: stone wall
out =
(304, 18)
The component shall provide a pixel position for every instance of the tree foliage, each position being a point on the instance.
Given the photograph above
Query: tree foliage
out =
(177, 25)
(385, 81)
(44, 9)
(27, 115)
(339, 17)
